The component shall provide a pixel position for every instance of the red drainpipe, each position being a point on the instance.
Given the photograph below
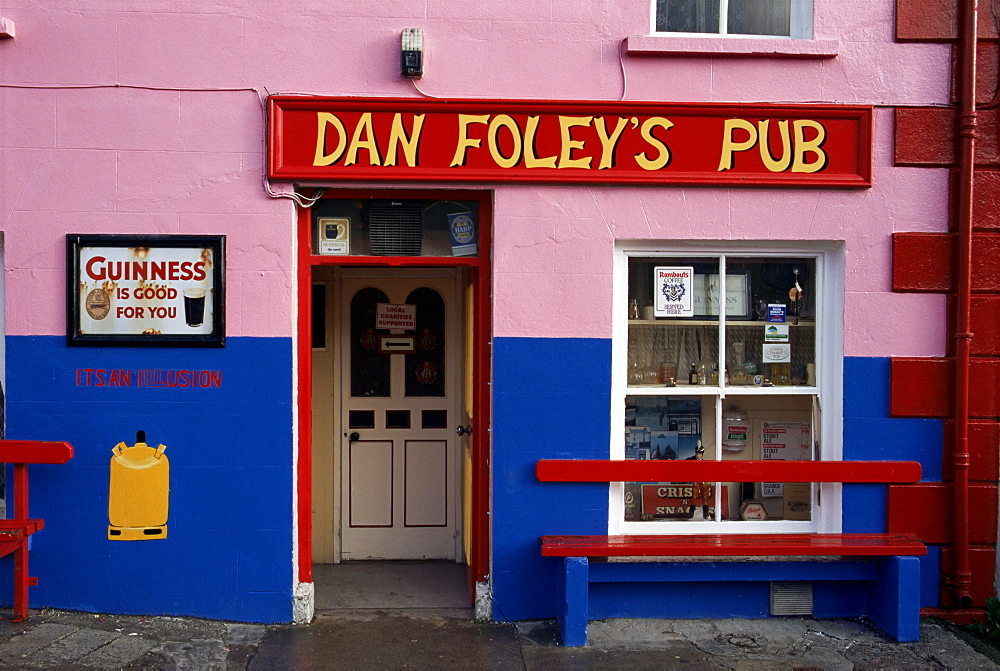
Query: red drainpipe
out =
(961, 576)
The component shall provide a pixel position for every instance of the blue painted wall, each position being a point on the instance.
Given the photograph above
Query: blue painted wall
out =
(870, 433)
(228, 554)
(552, 399)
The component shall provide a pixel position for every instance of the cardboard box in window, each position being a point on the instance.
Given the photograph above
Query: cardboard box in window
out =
(798, 501)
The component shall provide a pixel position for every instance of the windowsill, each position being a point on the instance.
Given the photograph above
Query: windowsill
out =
(736, 47)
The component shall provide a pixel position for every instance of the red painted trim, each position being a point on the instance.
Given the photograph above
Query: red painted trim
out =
(982, 562)
(917, 387)
(597, 470)
(733, 545)
(927, 262)
(304, 369)
(926, 20)
(984, 459)
(985, 324)
(956, 615)
(924, 137)
(925, 509)
(398, 261)
(482, 402)
(923, 262)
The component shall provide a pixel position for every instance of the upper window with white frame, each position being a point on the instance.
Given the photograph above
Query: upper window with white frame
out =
(755, 380)
(770, 18)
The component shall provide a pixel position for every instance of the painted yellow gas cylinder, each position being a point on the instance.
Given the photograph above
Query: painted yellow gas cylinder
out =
(139, 494)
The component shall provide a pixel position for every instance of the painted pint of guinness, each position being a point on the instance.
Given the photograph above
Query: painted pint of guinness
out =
(194, 306)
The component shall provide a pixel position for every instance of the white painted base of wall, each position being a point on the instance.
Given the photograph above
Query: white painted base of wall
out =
(484, 602)
(304, 603)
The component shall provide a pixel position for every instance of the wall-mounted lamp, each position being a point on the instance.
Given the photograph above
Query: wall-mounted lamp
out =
(6, 27)
(412, 55)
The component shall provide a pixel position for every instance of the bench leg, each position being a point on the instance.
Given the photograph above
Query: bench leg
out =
(894, 602)
(573, 607)
(21, 582)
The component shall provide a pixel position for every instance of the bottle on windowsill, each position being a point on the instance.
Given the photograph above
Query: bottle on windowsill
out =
(693, 375)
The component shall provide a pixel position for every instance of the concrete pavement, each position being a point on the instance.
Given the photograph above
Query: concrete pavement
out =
(449, 639)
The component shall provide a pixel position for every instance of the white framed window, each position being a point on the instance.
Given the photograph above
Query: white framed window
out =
(759, 379)
(771, 18)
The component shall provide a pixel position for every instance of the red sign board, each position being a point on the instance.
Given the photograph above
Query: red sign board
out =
(677, 500)
(392, 139)
(669, 499)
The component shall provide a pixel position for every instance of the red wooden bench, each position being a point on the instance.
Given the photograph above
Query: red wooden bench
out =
(16, 531)
(887, 561)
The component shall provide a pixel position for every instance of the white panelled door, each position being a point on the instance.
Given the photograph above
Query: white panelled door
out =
(400, 395)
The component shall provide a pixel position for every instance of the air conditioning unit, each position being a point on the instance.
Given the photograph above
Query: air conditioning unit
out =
(396, 227)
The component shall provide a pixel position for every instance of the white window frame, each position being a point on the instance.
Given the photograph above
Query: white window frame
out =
(828, 392)
(801, 24)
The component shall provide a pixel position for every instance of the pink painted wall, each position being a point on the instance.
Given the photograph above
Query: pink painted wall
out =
(170, 140)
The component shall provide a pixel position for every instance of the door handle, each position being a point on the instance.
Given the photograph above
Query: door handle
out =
(462, 430)
(354, 436)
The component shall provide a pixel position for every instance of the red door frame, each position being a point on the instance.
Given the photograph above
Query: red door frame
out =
(479, 271)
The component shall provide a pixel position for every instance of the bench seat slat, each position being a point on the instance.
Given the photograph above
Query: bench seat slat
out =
(642, 470)
(734, 545)
(23, 527)
(35, 452)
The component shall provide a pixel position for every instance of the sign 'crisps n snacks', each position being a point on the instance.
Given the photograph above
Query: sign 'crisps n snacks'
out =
(331, 139)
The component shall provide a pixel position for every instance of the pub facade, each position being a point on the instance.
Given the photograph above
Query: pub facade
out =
(348, 274)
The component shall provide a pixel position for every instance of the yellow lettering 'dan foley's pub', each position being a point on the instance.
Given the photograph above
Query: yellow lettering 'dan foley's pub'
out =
(502, 130)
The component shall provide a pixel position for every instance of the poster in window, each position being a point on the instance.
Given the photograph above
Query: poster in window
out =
(784, 441)
(737, 296)
(145, 290)
(673, 291)
(663, 428)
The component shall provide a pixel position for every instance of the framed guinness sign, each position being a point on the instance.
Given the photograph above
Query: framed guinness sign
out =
(146, 290)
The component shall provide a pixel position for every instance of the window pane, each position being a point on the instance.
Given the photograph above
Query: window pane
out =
(319, 316)
(369, 369)
(776, 344)
(749, 333)
(687, 16)
(425, 373)
(361, 227)
(768, 428)
(674, 350)
(669, 428)
(760, 17)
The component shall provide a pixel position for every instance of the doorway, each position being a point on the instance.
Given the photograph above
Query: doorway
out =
(394, 395)
(387, 407)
